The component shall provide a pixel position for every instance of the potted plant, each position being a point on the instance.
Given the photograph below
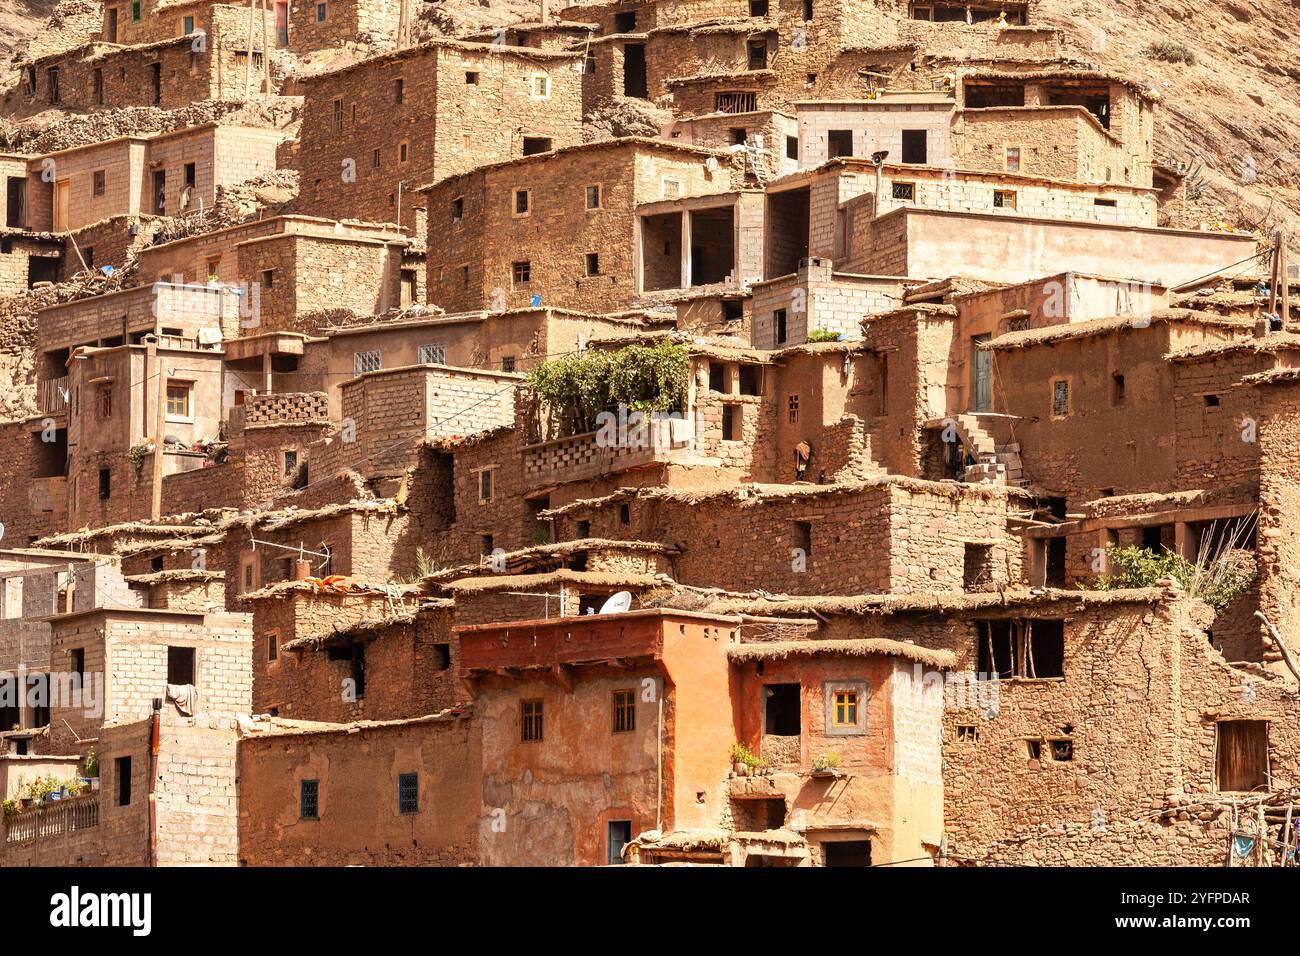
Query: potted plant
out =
(744, 762)
(10, 809)
(91, 771)
(826, 764)
(72, 788)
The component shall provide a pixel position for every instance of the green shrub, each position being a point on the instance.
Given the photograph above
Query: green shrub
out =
(1215, 580)
(823, 335)
(1170, 52)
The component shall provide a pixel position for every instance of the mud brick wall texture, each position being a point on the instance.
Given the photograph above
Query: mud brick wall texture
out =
(356, 776)
(424, 114)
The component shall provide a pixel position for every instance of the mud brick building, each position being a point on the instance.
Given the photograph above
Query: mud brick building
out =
(168, 174)
(492, 231)
(446, 107)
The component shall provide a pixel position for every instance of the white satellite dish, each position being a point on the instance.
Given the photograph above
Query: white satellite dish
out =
(618, 603)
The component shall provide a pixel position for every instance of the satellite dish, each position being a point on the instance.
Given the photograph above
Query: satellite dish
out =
(618, 603)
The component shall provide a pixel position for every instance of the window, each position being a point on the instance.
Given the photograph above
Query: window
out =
(78, 655)
(792, 409)
(845, 711)
(1210, 401)
(464, 277)
(408, 793)
(97, 86)
(135, 10)
(839, 142)
(155, 80)
(290, 462)
(321, 12)
(968, 734)
(1241, 755)
(191, 174)
(338, 114)
(781, 713)
(541, 86)
(187, 24)
(371, 360)
(1004, 199)
(273, 644)
(758, 8)
(904, 192)
(52, 76)
(624, 22)
(1024, 648)
(847, 853)
(801, 537)
(268, 278)
(530, 717)
(104, 401)
(593, 197)
(1011, 159)
(624, 711)
(914, 146)
(180, 665)
(625, 513)
(733, 310)
(485, 545)
(977, 567)
(1060, 398)
(523, 202)
(792, 147)
(98, 182)
(105, 484)
(471, 78)
(620, 835)
(507, 363)
(1108, 203)
(780, 326)
(485, 478)
(536, 144)
(521, 273)
(735, 102)
(122, 771)
(376, 158)
(399, 91)
(757, 53)
(749, 379)
(403, 151)
(433, 355)
(807, 9)
(458, 209)
(309, 800)
(178, 401)
(593, 263)
(1117, 396)
(733, 422)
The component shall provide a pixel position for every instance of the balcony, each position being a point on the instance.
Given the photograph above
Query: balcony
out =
(53, 819)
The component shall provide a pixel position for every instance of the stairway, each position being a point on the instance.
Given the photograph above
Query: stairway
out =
(995, 464)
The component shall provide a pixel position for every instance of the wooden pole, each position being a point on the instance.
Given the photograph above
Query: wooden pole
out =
(1272, 285)
(1284, 279)
(248, 63)
(266, 50)
(160, 423)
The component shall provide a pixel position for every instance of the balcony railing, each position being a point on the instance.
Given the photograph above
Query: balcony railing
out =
(52, 392)
(52, 819)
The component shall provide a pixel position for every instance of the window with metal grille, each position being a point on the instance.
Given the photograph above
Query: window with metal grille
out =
(309, 799)
(624, 711)
(792, 404)
(903, 191)
(1060, 398)
(369, 361)
(1004, 199)
(408, 793)
(735, 102)
(433, 355)
(530, 716)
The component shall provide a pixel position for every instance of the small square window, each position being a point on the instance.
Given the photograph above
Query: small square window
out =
(904, 192)
(180, 665)
(408, 793)
(507, 363)
(624, 711)
(309, 799)
(792, 147)
(471, 78)
(1004, 199)
(845, 708)
(433, 355)
(530, 715)
(371, 360)
(521, 273)
(178, 401)
(541, 87)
